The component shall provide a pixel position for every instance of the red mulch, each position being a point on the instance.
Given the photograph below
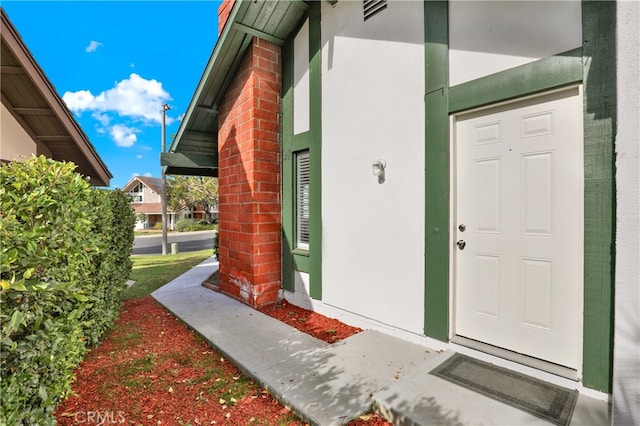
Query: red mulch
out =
(153, 370)
(328, 329)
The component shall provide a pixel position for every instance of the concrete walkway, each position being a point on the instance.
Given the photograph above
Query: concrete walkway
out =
(332, 384)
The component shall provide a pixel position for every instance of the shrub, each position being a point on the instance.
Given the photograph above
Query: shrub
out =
(114, 222)
(185, 225)
(63, 263)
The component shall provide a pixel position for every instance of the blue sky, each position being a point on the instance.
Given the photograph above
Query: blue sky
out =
(115, 63)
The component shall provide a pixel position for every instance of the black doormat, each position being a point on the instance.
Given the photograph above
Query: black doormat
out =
(541, 399)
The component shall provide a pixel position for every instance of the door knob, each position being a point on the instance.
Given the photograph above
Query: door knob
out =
(461, 244)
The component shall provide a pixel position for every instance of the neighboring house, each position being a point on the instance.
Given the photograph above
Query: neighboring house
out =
(492, 129)
(146, 201)
(33, 118)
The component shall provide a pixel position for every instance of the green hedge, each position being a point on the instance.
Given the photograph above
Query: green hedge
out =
(64, 259)
(185, 225)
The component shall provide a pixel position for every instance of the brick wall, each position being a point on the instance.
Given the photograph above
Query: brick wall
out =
(249, 182)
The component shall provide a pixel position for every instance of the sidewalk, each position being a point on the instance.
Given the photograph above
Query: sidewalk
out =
(332, 384)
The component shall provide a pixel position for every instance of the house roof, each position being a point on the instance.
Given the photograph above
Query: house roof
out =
(31, 98)
(194, 150)
(153, 183)
(148, 208)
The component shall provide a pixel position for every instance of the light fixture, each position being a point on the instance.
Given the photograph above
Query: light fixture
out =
(377, 168)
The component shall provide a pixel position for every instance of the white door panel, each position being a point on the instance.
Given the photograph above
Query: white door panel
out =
(520, 196)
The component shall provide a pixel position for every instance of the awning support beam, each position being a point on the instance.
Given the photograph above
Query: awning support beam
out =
(252, 31)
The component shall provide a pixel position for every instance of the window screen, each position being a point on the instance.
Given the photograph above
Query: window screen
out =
(302, 200)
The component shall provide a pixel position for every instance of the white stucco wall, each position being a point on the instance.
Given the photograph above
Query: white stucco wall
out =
(301, 80)
(15, 143)
(486, 37)
(373, 108)
(626, 354)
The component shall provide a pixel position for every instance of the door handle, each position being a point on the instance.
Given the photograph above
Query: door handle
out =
(461, 244)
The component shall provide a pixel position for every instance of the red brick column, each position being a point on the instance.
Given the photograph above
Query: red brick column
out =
(249, 182)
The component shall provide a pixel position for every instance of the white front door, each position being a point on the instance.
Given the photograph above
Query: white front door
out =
(519, 207)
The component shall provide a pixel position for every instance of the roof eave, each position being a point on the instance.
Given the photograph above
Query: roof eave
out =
(100, 175)
(219, 73)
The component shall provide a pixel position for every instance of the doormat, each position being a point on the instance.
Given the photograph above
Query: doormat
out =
(541, 399)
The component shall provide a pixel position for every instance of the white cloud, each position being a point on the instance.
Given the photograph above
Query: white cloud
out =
(130, 103)
(78, 101)
(93, 46)
(104, 119)
(139, 157)
(123, 136)
(148, 174)
(135, 97)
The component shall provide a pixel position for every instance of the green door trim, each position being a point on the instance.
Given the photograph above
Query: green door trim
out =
(437, 174)
(542, 75)
(594, 65)
(598, 33)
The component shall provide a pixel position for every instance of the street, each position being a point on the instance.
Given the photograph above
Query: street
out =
(187, 241)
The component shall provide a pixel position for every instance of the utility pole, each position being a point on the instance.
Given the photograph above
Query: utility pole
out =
(165, 108)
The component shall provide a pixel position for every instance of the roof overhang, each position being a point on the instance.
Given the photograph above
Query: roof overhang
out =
(194, 150)
(31, 98)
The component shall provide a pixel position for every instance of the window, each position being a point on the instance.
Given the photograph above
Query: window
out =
(136, 193)
(302, 200)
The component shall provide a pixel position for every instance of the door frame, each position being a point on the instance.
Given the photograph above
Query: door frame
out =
(594, 66)
(479, 345)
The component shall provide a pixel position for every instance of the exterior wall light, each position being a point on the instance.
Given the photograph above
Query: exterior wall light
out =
(377, 169)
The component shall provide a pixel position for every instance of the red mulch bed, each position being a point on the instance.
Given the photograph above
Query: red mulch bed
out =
(328, 329)
(153, 370)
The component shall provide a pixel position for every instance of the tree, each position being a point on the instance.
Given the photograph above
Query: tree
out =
(192, 192)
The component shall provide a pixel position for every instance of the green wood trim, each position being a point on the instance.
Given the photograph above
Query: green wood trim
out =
(292, 259)
(221, 48)
(257, 33)
(188, 160)
(315, 151)
(190, 171)
(301, 262)
(301, 141)
(544, 74)
(598, 31)
(436, 319)
(287, 167)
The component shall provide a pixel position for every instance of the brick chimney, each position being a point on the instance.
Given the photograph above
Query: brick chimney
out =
(249, 182)
(223, 13)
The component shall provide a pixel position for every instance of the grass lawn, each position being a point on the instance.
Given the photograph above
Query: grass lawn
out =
(151, 272)
(151, 232)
